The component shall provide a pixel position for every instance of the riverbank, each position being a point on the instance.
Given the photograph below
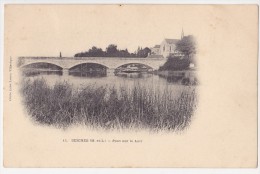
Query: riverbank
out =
(184, 77)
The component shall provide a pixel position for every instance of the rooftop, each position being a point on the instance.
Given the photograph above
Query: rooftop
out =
(171, 41)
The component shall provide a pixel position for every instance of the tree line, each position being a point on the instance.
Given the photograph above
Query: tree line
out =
(113, 51)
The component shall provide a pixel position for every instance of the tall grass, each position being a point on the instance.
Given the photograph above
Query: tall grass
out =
(108, 107)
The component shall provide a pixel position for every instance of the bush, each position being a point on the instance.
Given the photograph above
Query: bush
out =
(175, 64)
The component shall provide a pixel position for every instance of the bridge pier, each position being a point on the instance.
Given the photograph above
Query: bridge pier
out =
(110, 70)
(65, 72)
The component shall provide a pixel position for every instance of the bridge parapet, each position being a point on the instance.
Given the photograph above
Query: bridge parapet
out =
(109, 62)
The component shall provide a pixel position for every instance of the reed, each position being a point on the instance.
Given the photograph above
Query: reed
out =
(138, 107)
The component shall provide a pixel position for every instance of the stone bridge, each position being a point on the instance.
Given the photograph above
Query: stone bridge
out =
(67, 63)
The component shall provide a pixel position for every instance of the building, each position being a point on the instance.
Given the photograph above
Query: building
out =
(155, 50)
(166, 48)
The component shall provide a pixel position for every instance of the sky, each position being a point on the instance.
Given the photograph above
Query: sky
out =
(47, 30)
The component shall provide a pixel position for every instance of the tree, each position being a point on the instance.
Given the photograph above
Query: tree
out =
(123, 53)
(143, 52)
(187, 45)
(146, 51)
(176, 64)
(95, 52)
(112, 50)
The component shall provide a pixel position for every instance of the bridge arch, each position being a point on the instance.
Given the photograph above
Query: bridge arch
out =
(111, 63)
(43, 65)
(85, 64)
(143, 64)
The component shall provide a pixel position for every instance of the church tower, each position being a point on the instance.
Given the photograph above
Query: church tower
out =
(182, 34)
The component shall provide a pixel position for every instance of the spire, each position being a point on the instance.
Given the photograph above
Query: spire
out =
(60, 54)
(182, 33)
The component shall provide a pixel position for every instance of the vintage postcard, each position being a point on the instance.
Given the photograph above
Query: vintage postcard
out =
(130, 86)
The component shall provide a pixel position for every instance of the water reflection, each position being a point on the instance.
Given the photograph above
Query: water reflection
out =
(96, 74)
(173, 79)
(33, 72)
(133, 75)
(119, 78)
(182, 80)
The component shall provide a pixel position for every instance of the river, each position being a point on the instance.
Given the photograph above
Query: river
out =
(109, 79)
(108, 100)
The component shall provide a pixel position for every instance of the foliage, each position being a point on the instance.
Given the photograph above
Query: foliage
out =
(113, 51)
(143, 52)
(108, 107)
(176, 64)
(93, 52)
(187, 45)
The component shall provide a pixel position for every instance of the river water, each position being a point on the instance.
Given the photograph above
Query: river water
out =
(110, 79)
(158, 95)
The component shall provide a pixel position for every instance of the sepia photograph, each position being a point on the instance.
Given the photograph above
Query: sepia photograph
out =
(130, 86)
(152, 88)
